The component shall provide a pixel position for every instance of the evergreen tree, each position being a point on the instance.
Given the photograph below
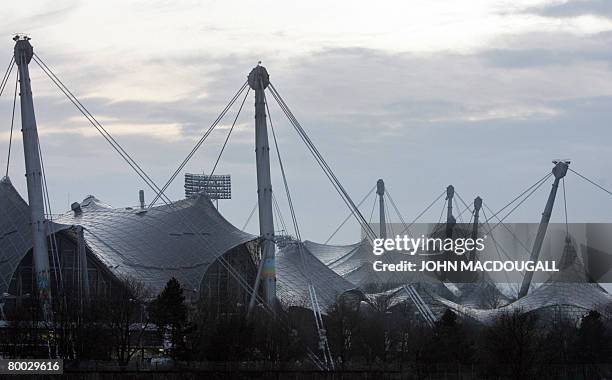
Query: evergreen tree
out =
(169, 313)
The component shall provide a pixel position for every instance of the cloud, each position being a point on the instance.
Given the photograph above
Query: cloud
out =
(488, 120)
(575, 8)
(166, 132)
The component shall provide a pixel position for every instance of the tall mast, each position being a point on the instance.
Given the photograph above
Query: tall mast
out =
(559, 171)
(450, 219)
(259, 80)
(23, 56)
(380, 190)
(477, 207)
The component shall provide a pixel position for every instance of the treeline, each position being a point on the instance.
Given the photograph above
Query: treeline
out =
(132, 325)
(516, 345)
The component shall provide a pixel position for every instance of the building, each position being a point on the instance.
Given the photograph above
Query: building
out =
(188, 240)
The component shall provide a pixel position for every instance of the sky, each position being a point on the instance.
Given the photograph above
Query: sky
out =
(479, 94)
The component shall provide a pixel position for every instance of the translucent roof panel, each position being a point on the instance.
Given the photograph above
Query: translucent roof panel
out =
(179, 240)
(15, 232)
(343, 259)
(152, 245)
(568, 287)
(295, 266)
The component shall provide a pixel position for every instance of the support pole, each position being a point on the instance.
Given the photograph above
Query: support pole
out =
(380, 190)
(23, 56)
(141, 199)
(259, 80)
(559, 172)
(450, 226)
(450, 219)
(477, 207)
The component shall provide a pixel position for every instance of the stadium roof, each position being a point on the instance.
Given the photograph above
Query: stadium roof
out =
(15, 234)
(353, 262)
(570, 287)
(152, 245)
(292, 278)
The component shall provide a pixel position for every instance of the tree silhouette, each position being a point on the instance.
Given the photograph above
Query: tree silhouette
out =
(169, 312)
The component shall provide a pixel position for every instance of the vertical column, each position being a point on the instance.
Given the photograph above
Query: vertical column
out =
(380, 190)
(559, 171)
(259, 80)
(477, 207)
(23, 56)
(450, 219)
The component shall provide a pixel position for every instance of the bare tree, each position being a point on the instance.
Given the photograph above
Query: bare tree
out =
(512, 345)
(126, 318)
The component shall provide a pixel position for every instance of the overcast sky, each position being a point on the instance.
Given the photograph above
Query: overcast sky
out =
(479, 94)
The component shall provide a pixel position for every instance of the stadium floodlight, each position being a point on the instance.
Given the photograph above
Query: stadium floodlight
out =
(216, 186)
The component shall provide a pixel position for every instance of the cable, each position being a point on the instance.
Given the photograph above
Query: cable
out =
(7, 74)
(372, 212)
(565, 207)
(497, 246)
(94, 122)
(159, 192)
(107, 136)
(324, 345)
(523, 193)
(459, 217)
(201, 141)
(234, 273)
(399, 215)
(321, 161)
(143, 175)
(441, 213)
(463, 211)
(518, 205)
(350, 214)
(424, 211)
(388, 224)
(8, 158)
(226, 139)
(282, 169)
(462, 201)
(47, 205)
(590, 181)
(279, 213)
(506, 227)
(250, 216)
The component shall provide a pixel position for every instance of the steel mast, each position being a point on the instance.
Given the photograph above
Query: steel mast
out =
(450, 219)
(559, 171)
(23, 56)
(259, 80)
(477, 207)
(380, 190)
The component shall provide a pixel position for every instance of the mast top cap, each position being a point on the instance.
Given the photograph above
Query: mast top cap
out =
(23, 49)
(560, 168)
(380, 187)
(259, 77)
(477, 203)
(450, 191)
(21, 37)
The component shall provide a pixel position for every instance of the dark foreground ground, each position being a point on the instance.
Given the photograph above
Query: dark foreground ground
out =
(433, 373)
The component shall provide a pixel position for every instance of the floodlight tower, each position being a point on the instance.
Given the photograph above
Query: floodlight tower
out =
(23, 55)
(559, 171)
(259, 80)
(380, 190)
